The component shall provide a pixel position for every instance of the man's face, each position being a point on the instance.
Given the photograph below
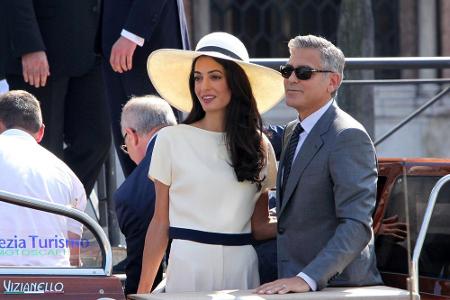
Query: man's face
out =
(307, 96)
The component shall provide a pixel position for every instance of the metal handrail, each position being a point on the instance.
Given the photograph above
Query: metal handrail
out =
(396, 81)
(415, 113)
(414, 279)
(442, 62)
(70, 212)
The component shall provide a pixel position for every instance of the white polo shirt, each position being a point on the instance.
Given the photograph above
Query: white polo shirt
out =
(30, 237)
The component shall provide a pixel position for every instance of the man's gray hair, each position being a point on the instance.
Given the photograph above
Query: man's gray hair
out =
(145, 113)
(332, 57)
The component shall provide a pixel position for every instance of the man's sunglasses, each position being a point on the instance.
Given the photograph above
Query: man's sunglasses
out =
(302, 72)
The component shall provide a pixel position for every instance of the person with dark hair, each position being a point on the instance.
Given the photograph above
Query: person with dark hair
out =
(211, 173)
(19, 109)
(28, 169)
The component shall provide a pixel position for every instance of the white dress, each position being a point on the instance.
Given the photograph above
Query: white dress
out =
(205, 196)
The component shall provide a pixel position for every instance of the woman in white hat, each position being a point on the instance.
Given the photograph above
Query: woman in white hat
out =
(212, 171)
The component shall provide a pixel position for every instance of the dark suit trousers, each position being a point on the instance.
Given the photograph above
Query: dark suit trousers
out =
(75, 113)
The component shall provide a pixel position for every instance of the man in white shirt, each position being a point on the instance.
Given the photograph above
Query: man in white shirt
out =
(30, 237)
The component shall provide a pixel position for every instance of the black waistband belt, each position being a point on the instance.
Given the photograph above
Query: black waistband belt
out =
(226, 239)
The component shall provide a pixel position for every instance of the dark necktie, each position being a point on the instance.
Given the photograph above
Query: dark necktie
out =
(290, 151)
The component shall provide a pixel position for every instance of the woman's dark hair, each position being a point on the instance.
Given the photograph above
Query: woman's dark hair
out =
(243, 124)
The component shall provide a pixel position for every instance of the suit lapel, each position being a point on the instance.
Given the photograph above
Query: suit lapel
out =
(310, 147)
(286, 137)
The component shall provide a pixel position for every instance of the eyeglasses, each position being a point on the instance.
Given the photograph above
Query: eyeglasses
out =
(302, 72)
(124, 147)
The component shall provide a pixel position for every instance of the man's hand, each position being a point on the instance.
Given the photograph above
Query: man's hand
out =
(393, 228)
(35, 68)
(282, 286)
(122, 51)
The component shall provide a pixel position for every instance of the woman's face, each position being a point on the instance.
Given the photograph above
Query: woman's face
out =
(211, 86)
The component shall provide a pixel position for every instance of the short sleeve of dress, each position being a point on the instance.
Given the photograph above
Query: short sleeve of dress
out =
(271, 165)
(161, 163)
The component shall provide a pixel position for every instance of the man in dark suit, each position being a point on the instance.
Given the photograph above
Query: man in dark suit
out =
(53, 54)
(326, 181)
(131, 30)
(142, 117)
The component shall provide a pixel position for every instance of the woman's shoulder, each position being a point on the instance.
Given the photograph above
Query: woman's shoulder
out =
(265, 140)
(267, 145)
(187, 130)
(174, 130)
(176, 134)
(167, 135)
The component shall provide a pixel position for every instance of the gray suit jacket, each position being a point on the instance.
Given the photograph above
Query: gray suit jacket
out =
(324, 222)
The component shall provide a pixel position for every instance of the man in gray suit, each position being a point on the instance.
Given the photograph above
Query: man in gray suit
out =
(326, 180)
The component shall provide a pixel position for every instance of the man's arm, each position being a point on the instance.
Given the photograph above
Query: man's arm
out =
(78, 200)
(142, 19)
(27, 41)
(353, 170)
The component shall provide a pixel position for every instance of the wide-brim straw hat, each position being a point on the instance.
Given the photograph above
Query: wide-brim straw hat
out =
(169, 71)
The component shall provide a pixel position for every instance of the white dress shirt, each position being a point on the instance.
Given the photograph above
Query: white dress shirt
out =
(308, 124)
(132, 37)
(26, 168)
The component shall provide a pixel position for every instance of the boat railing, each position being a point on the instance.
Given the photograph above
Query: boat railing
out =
(414, 276)
(86, 220)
